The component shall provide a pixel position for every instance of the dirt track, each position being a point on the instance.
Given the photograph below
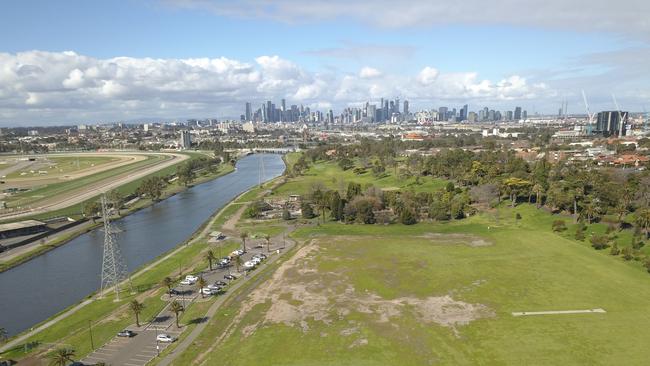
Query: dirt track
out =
(79, 195)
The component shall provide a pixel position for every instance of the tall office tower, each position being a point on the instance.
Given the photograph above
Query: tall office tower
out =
(265, 114)
(517, 113)
(406, 107)
(442, 114)
(481, 115)
(611, 123)
(386, 114)
(372, 113)
(509, 115)
(392, 107)
(284, 105)
(396, 105)
(497, 116)
(524, 115)
(186, 140)
(486, 113)
(249, 114)
(491, 115)
(559, 113)
(463, 113)
(269, 111)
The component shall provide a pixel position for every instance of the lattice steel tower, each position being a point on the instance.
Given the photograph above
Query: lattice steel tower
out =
(261, 173)
(114, 269)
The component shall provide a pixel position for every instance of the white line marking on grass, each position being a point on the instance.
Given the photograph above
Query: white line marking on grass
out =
(588, 311)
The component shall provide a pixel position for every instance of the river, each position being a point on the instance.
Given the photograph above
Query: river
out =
(47, 284)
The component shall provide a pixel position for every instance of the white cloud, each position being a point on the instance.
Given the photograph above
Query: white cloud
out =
(55, 87)
(369, 73)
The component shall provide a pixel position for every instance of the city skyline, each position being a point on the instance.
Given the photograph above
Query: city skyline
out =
(193, 59)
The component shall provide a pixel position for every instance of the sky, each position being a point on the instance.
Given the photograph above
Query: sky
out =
(74, 61)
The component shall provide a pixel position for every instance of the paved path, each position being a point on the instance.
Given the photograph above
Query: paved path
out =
(588, 311)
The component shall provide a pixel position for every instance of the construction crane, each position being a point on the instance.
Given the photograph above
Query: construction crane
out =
(590, 115)
(620, 117)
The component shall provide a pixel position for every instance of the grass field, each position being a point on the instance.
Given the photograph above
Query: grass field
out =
(58, 166)
(330, 175)
(440, 294)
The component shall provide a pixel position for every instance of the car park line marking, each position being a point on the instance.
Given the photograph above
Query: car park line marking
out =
(588, 311)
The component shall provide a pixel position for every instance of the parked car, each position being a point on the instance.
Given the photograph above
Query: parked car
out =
(263, 256)
(214, 287)
(126, 333)
(191, 278)
(220, 283)
(175, 292)
(187, 282)
(208, 291)
(249, 264)
(229, 277)
(165, 338)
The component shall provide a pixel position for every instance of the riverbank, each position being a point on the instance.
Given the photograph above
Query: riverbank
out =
(57, 240)
(108, 317)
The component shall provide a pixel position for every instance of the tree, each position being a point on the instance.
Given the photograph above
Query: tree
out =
(643, 219)
(152, 187)
(286, 215)
(267, 237)
(307, 210)
(238, 262)
(185, 174)
(116, 198)
(62, 356)
(628, 253)
(3, 334)
(346, 164)
(646, 264)
(538, 190)
(209, 256)
(176, 308)
(580, 232)
(91, 209)
(136, 307)
(243, 235)
(621, 210)
(515, 186)
(591, 210)
(336, 208)
(614, 250)
(200, 284)
(169, 283)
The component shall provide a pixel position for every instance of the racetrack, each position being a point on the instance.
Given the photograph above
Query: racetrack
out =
(75, 196)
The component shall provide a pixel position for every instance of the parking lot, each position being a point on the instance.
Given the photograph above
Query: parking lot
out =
(139, 350)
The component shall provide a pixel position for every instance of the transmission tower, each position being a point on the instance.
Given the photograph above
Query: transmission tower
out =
(114, 269)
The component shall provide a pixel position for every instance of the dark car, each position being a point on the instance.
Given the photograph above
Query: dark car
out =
(229, 277)
(126, 333)
(175, 292)
(220, 283)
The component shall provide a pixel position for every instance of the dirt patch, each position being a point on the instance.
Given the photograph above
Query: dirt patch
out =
(464, 239)
(297, 295)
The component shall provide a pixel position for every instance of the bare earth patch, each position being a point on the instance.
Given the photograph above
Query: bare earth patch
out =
(297, 294)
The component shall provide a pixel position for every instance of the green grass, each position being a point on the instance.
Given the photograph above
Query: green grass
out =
(57, 166)
(330, 175)
(528, 268)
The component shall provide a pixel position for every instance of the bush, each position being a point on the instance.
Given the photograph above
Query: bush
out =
(286, 215)
(518, 216)
(580, 235)
(599, 242)
(646, 264)
(307, 211)
(407, 217)
(559, 226)
(628, 253)
(614, 250)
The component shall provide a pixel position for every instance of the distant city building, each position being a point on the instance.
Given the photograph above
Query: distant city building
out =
(517, 113)
(612, 123)
(186, 139)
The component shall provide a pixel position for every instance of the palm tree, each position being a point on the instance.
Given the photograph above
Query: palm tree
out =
(238, 262)
(136, 307)
(591, 209)
(201, 283)
(243, 236)
(176, 308)
(3, 334)
(62, 356)
(621, 210)
(209, 256)
(169, 283)
(267, 237)
(643, 219)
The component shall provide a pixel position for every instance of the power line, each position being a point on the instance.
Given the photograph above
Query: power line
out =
(114, 269)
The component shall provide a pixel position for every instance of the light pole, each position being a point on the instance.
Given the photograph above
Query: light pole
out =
(90, 329)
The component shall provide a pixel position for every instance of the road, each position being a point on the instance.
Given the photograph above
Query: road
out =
(77, 196)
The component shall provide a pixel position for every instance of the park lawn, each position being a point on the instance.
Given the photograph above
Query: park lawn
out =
(527, 268)
(331, 176)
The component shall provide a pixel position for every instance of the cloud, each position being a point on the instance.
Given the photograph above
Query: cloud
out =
(55, 87)
(627, 17)
(369, 73)
(360, 51)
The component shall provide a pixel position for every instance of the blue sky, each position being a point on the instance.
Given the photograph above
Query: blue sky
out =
(321, 48)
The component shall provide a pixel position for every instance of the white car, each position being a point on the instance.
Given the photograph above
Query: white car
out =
(256, 260)
(191, 278)
(207, 291)
(249, 264)
(187, 282)
(165, 338)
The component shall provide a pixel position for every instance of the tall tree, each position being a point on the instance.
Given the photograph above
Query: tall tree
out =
(643, 219)
(200, 284)
(169, 283)
(243, 235)
(267, 237)
(136, 307)
(176, 308)
(210, 257)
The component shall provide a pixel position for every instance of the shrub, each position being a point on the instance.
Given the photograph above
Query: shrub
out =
(614, 250)
(407, 217)
(518, 216)
(286, 215)
(599, 242)
(559, 226)
(307, 211)
(628, 253)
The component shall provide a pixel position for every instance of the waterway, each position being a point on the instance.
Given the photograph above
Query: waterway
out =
(47, 284)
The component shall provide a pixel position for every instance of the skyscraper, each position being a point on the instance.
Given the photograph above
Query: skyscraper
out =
(442, 114)
(463, 113)
(406, 107)
(611, 123)
(517, 113)
(249, 112)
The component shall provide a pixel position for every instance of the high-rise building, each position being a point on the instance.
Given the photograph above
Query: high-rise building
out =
(442, 113)
(463, 113)
(406, 107)
(524, 115)
(249, 112)
(186, 139)
(611, 123)
(517, 113)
